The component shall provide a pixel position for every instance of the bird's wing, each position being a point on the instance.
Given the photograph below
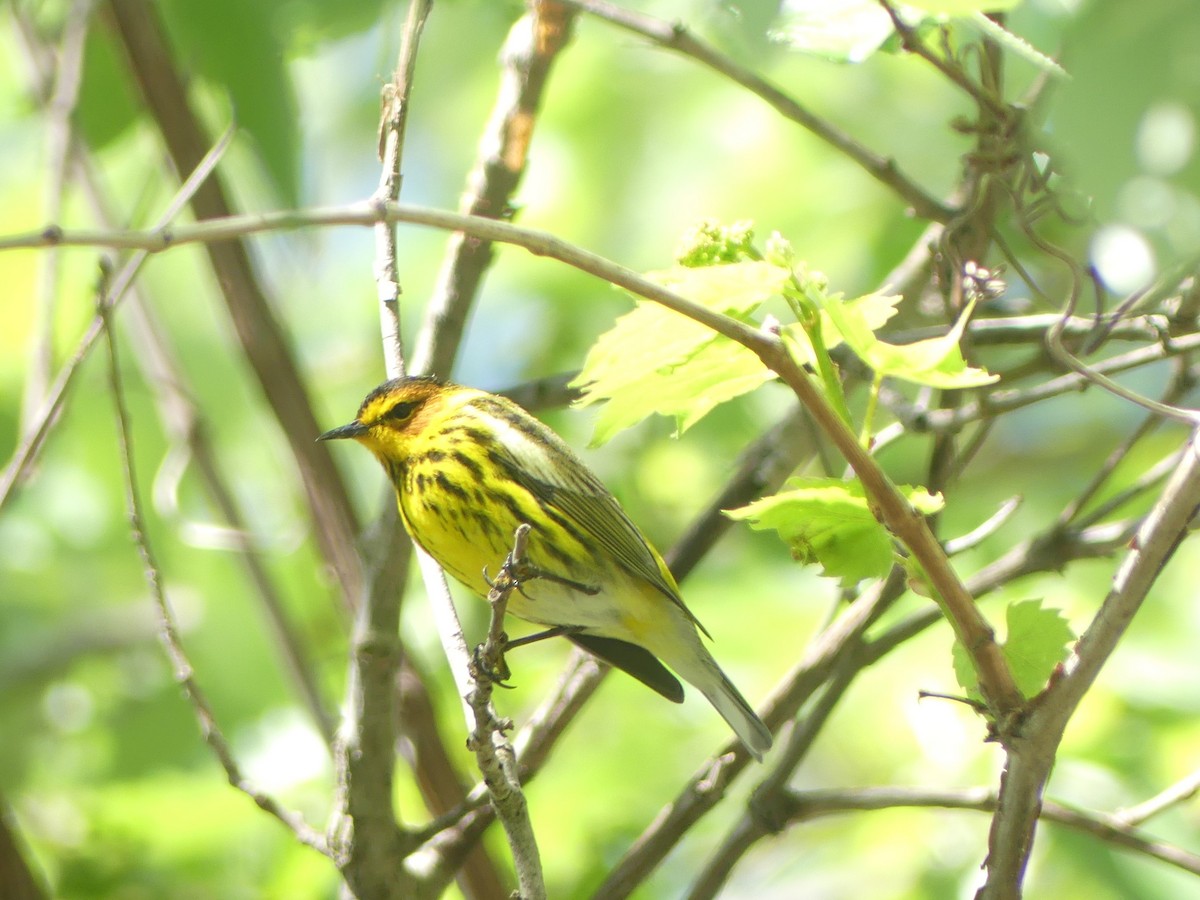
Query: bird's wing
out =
(636, 661)
(544, 465)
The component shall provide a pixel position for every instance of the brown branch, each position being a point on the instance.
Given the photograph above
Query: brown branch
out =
(1031, 753)
(186, 427)
(32, 440)
(17, 876)
(707, 787)
(532, 46)
(805, 806)
(953, 72)
(138, 29)
(392, 125)
(493, 753)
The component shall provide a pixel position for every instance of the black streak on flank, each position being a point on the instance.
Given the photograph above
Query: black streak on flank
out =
(449, 486)
(469, 464)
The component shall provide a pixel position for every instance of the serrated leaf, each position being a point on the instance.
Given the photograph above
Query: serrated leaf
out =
(656, 361)
(936, 362)
(1036, 640)
(829, 522)
(719, 371)
(1016, 44)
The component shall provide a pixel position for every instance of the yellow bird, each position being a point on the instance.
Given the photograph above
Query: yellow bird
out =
(469, 467)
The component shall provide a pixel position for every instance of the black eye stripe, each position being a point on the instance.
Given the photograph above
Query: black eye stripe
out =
(401, 411)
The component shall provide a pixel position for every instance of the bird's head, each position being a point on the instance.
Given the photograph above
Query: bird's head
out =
(392, 414)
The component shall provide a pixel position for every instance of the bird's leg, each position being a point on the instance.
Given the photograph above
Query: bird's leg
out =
(488, 659)
(518, 574)
(556, 631)
(492, 665)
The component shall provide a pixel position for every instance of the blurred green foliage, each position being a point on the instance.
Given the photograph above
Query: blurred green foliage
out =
(101, 759)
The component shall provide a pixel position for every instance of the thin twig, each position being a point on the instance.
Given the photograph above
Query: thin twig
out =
(674, 36)
(705, 789)
(32, 440)
(138, 29)
(59, 107)
(1184, 789)
(370, 843)
(392, 125)
(186, 428)
(1031, 756)
(169, 631)
(493, 752)
(806, 806)
(952, 71)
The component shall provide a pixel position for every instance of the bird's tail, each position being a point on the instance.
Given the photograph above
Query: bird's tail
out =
(699, 669)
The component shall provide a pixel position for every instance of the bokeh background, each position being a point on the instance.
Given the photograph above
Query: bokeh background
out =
(101, 764)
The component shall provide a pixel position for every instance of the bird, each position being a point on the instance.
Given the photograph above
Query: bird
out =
(469, 467)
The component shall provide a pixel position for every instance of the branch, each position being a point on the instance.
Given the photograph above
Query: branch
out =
(58, 103)
(805, 806)
(392, 125)
(139, 30)
(677, 37)
(493, 752)
(706, 788)
(371, 844)
(16, 874)
(1184, 789)
(32, 440)
(169, 632)
(976, 635)
(1032, 754)
(533, 44)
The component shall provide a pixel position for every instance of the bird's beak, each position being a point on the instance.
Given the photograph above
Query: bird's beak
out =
(355, 429)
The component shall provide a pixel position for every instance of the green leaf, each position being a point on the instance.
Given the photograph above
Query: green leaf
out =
(654, 360)
(936, 362)
(719, 371)
(871, 310)
(1036, 640)
(1015, 44)
(829, 522)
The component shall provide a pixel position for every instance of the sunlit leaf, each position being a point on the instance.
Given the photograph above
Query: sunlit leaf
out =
(1036, 641)
(636, 365)
(937, 362)
(829, 522)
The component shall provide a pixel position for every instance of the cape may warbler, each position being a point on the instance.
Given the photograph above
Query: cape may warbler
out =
(469, 467)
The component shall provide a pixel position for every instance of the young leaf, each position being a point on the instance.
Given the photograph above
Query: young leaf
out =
(936, 362)
(1037, 639)
(636, 364)
(827, 521)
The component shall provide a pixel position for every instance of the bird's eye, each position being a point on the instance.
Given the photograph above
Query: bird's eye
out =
(401, 411)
